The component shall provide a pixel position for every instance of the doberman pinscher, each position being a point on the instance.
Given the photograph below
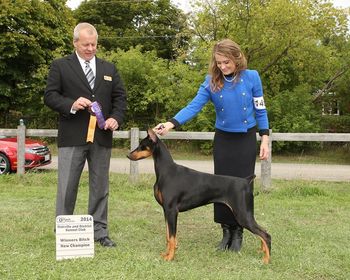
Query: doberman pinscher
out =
(178, 189)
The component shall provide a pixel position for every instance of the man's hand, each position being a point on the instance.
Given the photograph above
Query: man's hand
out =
(111, 124)
(81, 103)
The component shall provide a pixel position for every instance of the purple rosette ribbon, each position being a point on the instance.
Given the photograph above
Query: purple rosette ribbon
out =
(96, 110)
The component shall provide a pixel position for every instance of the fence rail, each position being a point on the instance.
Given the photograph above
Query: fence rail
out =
(135, 135)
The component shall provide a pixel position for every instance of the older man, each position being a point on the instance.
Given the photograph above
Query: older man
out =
(74, 83)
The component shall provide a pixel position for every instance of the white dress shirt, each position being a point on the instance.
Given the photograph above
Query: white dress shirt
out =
(82, 64)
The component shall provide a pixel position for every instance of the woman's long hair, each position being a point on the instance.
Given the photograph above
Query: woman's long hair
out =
(231, 50)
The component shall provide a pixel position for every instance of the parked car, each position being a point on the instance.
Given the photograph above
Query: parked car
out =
(36, 154)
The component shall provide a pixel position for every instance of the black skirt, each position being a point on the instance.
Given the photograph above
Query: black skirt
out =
(234, 155)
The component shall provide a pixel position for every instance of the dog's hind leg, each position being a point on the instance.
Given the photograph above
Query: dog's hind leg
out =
(265, 244)
(266, 248)
(245, 217)
(171, 224)
(253, 227)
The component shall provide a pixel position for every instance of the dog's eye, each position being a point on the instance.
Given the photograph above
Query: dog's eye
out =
(143, 147)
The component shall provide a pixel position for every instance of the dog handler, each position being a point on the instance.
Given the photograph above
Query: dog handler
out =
(237, 95)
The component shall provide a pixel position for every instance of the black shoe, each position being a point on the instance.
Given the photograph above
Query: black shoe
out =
(226, 238)
(106, 242)
(236, 238)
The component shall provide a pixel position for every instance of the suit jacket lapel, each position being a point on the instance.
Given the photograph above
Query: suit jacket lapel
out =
(99, 73)
(75, 64)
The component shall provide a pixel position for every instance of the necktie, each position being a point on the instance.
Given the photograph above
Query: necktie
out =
(89, 74)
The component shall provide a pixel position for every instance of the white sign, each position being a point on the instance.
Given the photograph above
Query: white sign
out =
(74, 236)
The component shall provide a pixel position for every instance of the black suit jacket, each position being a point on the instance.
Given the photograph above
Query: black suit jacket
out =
(66, 82)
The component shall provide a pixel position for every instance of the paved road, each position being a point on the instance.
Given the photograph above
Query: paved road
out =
(319, 172)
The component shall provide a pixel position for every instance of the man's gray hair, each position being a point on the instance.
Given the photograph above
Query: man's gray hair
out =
(84, 25)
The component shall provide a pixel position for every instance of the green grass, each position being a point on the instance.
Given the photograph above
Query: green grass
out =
(308, 221)
(334, 155)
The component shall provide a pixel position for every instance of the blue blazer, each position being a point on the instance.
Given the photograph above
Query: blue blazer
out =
(238, 105)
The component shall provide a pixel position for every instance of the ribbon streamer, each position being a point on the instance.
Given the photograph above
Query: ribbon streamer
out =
(96, 110)
(91, 129)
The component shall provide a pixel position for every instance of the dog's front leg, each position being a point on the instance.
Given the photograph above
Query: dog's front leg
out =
(167, 241)
(171, 223)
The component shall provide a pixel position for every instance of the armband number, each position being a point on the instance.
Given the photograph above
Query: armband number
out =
(259, 103)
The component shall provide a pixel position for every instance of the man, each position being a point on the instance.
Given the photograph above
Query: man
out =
(73, 83)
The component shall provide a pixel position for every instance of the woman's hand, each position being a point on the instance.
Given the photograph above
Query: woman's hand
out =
(163, 128)
(264, 147)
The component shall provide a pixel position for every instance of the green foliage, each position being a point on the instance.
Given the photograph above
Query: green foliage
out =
(298, 47)
(156, 87)
(155, 25)
(308, 222)
(301, 49)
(293, 111)
(32, 34)
(340, 124)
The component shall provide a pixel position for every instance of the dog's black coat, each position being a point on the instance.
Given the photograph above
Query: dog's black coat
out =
(179, 189)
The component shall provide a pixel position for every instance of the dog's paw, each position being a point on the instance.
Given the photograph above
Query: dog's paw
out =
(266, 259)
(167, 257)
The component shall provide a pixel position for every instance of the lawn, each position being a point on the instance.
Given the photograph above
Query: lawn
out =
(308, 221)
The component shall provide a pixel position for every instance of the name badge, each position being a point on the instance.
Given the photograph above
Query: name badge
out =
(259, 103)
(107, 78)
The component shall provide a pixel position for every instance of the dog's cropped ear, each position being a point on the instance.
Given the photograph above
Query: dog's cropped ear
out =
(152, 135)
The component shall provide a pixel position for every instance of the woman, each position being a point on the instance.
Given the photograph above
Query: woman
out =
(237, 95)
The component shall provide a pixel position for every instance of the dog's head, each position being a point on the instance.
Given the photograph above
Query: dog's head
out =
(146, 147)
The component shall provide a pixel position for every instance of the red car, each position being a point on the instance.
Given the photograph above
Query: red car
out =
(36, 154)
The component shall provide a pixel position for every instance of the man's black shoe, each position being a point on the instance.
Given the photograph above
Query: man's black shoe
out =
(106, 242)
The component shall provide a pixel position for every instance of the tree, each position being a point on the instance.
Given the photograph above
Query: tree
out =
(32, 34)
(156, 87)
(155, 25)
(295, 45)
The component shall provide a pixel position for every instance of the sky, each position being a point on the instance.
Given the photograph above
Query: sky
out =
(185, 5)
(341, 3)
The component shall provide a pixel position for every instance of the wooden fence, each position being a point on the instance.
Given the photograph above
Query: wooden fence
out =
(135, 135)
